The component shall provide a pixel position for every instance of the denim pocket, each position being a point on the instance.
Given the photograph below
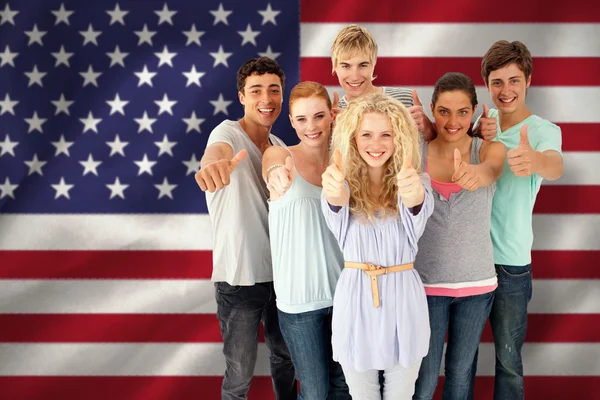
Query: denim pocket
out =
(226, 288)
(516, 272)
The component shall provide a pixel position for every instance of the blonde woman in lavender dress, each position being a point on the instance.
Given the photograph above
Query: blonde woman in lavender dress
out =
(376, 203)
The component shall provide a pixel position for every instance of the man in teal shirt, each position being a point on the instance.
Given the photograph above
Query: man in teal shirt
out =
(534, 153)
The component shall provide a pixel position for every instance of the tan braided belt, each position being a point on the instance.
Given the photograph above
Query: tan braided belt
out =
(373, 271)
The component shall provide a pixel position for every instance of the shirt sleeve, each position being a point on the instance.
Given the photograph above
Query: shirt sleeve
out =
(549, 137)
(336, 218)
(414, 225)
(222, 134)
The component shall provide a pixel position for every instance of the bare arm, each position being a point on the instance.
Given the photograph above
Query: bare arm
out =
(216, 152)
(493, 155)
(274, 155)
(551, 165)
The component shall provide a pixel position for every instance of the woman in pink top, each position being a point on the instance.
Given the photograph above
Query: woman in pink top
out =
(455, 257)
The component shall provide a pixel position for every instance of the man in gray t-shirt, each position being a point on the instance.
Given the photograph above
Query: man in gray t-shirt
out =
(231, 174)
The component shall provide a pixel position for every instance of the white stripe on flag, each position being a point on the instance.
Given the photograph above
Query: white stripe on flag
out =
(197, 296)
(206, 359)
(581, 168)
(554, 103)
(566, 231)
(194, 232)
(425, 39)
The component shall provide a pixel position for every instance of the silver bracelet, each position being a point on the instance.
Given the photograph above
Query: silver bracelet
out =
(271, 168)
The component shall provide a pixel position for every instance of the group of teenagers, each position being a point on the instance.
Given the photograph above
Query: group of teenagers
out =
(379, 234)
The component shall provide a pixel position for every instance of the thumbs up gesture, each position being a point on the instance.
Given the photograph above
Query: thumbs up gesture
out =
(488, 127)
(410, 188)
(279, 179)
(216, 175)
(335, 109)
(465, 174)
(523, 160)
(417, 113)
(333, 182)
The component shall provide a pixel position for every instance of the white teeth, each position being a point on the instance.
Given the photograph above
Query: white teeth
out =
(507, 100)
(316, 135)
(266, 110)
(354, 84)
(452, 130)
(375, 154)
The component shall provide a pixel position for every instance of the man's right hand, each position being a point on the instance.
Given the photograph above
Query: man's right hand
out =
(215, 175)
(488, 127)
(334, 182)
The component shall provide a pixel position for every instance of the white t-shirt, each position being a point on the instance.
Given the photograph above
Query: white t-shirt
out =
(239, 214)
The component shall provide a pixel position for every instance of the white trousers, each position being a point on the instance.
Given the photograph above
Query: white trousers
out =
(399, 383)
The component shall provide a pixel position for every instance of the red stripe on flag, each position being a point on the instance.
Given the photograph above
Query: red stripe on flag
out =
(96, 264)
(540, 387)
(111, 328)
(47, 264)
(389, 11)
(209, 388)
(570, 264)
(572, 199)
(204, 328)
(557, 328)
(580, 137)
(425, 71)
(124, 388)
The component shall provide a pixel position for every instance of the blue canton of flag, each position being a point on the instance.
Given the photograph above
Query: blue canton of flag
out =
(106, 107)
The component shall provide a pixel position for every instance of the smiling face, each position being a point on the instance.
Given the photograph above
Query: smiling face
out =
(311, 118)
(262, 99)
(453, 113)
(508, 88)
(355, 75)
(375, 139)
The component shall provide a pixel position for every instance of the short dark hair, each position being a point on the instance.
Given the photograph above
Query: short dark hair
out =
(454, 81)
(260, 66)
(503, 53)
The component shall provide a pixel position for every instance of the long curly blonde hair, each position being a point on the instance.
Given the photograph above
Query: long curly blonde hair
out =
(406, 142)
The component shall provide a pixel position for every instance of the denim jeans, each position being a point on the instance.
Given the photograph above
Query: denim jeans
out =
(308, 336)
(240, 309)
(464, 319)
(508, 320)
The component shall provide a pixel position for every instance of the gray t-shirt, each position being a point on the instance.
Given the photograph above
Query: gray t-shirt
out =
(239, 214)
(455, 252)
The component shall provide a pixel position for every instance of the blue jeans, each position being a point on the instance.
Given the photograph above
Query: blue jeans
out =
(464, 319)
(308, 336)
(508, 320)
(240, 310)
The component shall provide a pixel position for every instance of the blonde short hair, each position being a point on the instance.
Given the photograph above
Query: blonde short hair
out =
(406, 144)
(351, 40)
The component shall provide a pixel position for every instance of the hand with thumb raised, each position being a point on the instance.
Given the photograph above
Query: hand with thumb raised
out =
(410, 187)
(333, 181)
(216, 175)
(465, 175)
(280, 179)
(488, 127)
(524, 160)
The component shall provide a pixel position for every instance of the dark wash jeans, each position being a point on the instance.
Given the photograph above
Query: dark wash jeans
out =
(464, 319)
(308, 336)
(508, 320)
(240, 310)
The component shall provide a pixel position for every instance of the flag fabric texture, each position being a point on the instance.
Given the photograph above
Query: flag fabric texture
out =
(105, 241)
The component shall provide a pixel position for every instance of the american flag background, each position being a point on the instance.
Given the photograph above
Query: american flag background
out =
(105, 244)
